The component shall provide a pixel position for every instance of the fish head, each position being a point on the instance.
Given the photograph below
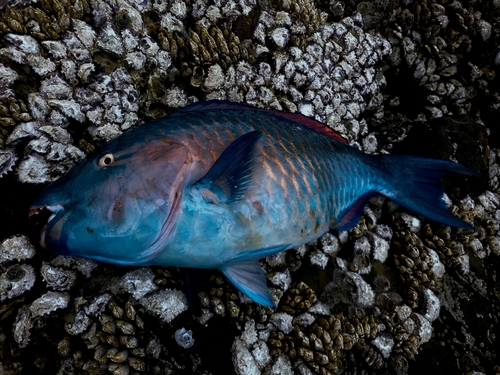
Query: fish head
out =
(119, 205)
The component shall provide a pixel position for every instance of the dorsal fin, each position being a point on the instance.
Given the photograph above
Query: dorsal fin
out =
(296, 118)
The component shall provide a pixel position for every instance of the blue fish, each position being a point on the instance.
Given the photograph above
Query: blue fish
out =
(221, 185)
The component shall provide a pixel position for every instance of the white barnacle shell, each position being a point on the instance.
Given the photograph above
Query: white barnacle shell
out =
(423, 326)
(282, 280)
(179, 9)
(260, 353)
(214, 79)
(84, 32)
(213, 13)
(16, 280)
(76, 48)
(414, 224)
(58, 278)
(56, 48)
(171, 23)
(7, 76)
(82, 265)
(319, 259)
(138, 282)
(34, 170)
(40, 65)
(38, 106)
(432, 305)
(132, 16)
(490, 201)
(436, 266)
(175, 97)
(380, 247)
(249, 335)
(110, 41)
(22, 327)
(24, 130)
(8, 159)
(184, 338)
(24, 43)
(69, 70)
(166, 304)
(282, 321)
(40, 145)
(69, 108)
(384, 342)
(484, 28)
(349, 287)
(54, 87)
(330, 244)
(16, 248)
(136, 60)
(85, 71)
(243, 361)
(280, 36)
(80, 323)
(48, 303)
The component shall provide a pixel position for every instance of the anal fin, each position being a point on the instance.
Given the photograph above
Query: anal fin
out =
(349, 217)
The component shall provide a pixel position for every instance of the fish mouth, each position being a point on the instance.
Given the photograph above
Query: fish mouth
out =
(42, 215)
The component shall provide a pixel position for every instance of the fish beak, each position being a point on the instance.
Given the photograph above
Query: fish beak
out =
(44, 215)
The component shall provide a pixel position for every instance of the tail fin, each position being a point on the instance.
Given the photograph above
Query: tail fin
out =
(415, 183)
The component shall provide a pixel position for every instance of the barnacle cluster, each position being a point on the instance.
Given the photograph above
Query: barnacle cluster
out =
(75, 73)
(430, 40)
(112, 342)
(17, 275)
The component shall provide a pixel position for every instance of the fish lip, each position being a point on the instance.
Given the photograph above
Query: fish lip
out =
(38, 210)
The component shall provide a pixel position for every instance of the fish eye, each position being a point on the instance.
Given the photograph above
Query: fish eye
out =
(106, 160)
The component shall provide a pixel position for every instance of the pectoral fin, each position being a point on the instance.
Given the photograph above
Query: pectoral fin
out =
(249, 278)
(230, 176)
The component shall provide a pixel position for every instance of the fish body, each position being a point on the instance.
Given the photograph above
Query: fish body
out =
(220, 185)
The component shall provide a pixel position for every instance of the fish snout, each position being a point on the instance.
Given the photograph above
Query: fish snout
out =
(41, 217)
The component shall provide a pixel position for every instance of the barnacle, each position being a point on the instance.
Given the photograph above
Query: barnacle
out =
(7, 160)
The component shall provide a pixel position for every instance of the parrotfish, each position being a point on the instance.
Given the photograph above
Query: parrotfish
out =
(221, 185)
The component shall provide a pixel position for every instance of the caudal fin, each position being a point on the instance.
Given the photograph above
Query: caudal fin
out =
(415, 183)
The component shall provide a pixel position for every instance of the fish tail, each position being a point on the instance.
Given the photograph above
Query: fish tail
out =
(415, 183)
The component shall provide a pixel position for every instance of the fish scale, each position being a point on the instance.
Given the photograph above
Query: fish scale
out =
(221, 185)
